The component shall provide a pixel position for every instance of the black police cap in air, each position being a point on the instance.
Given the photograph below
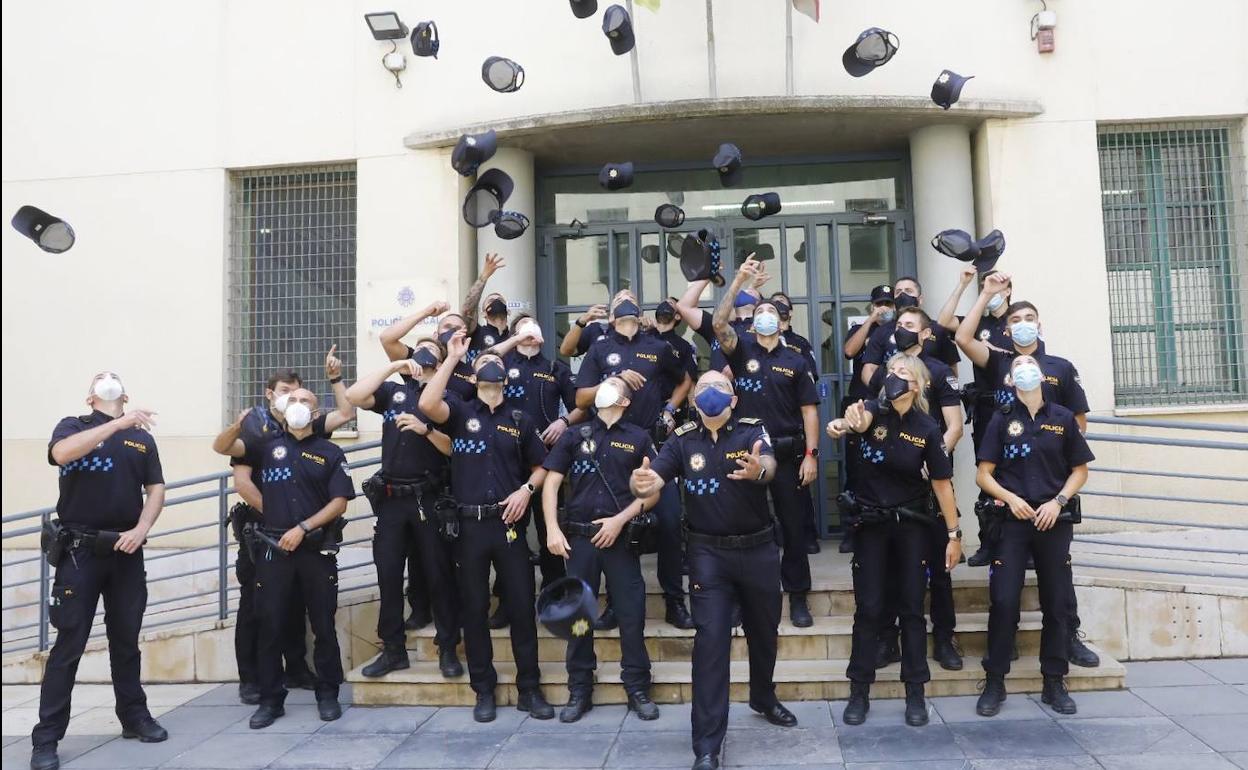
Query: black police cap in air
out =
(509, 225)
(502, 74)
(761, 251)
(567, 608)
(617, 25)
(650, 254)
(873, 48)
(52, 234)
(699, 258)
(583, 9)
(948, 88)
(616, 176)
(991, 247)
(487, 197)
(760, 205)
(957, 244)
(472, 150)
(669, 215)
(425, 39)
(728, 163)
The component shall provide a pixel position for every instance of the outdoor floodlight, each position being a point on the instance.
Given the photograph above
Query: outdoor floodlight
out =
(386, 26)
(49, 233)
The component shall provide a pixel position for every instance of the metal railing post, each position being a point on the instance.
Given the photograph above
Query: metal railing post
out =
(223, 550)
(44, 571)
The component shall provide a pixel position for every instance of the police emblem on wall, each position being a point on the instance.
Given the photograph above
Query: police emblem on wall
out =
(406, 296)
(880, 433)
(279, 453)
(1015, 428)
(613, 359)
(513, 373)
(588, 446)
(751, 366)
(473, 425)
(399, 397)
(697, 462)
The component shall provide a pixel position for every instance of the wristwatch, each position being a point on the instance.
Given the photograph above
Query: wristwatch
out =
(955, 534)
(580, 324)
(530, 487)
(304, 527)
(335, 380)
(812, 452)
(1061, 500)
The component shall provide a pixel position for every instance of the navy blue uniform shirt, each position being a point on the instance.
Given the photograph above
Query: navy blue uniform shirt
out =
(103, 489)
(404, 453)
(492, 453)
(593, 331)
(300, 477)
(484, 336)
(461, 382)
(260, 426)
(537, 385)
(881, 346)
(893, 453)
(857, 390)
(803, 346)
(645, 354)
(687, 354)
(598, 467)
(991, 331)
(772, 385)
(1034, 456)
(942, 390)
(714, 503)
(1061, 383)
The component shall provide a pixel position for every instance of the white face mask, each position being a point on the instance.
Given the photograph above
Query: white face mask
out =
(281, 402)
(298, 416)
(107, 388)
(606, 396)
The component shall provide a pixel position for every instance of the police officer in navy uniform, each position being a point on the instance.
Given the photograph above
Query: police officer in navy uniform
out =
(598, 459)
(784, 306)
(904, 466)
(1033, 461)
(496, 457)
(743, 300)
(462, 383)
(306, 489)
(726, 463)
(494, 307)
(107, 462)
(404, 495)
(774, 384)
(1061, 386)
(645, 362)
(585, 331)
(907, 292)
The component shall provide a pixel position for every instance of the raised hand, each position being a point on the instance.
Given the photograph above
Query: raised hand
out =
(751, 466)
(996, 283)
(493, 263)
(457, 346)
(644, 480)
(333, 366)
(967, 276)
(595, 313)
(406, 367)
(144, 419)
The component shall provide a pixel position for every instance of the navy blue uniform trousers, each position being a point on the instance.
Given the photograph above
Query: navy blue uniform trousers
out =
(627, 592)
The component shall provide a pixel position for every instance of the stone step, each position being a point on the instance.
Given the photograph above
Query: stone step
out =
(422, 684)
(829, 637)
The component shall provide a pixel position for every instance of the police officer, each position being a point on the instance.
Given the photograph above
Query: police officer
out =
(644, 362)
(784, 306)
(404, 495)
(1034, 460)
(462, 383)
(107, 460)
(1061, 386)
(775, 385)
(907, 292)
(726, 464)
(598, 459)
(305, 493)
(904, 464)
(496, 457)
(494, 308)
(585, 331)
(744, 299)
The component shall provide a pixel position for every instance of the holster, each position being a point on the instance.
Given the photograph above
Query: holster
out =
(788, 448)
(240, 515)
(53, 539)
(642, 534)
(1072, 511)
(447, 512)
(851, 512)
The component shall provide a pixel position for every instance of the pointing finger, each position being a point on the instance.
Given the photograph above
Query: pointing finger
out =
(332, 350)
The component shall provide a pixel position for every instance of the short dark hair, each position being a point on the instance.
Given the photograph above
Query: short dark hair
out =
(910, 278)
(288, 376)
(786, 297)
(462, 320)
(925, 320)
(1020, 305)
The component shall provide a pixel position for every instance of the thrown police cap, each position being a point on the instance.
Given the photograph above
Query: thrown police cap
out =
(509, 225)
(761, 251)
(991, 247)
(616, 176)
(957, 244)
(502, 74)
(650, 254)
(669, 215)
(583, 9)
(472, 150)
(487, 197)
(617, 25)
(699, 257)
(728, 163)
(948, 87)
(882, 293)
(52, 234)
(760, 205)
(873, 48)
(800, 254)
(425, 39)
(567, 608)
(675, 242)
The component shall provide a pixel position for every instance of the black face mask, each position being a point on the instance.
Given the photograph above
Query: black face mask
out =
(425, 357)
(492, 371)
(784, 309)
(904, 300)
(496, 308)
(905, 338)
(895, 387)
(445, 337)
(665, 313)
(627, 308)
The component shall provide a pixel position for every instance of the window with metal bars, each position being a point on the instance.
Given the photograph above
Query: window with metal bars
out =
(291, 278)
(1173, 200)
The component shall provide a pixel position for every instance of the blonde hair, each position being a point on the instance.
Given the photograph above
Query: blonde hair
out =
(919, 371)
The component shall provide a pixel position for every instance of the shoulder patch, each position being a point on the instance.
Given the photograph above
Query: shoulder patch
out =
(683, 429)
(749, 421)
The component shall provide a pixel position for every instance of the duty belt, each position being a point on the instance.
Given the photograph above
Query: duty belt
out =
(581, 529)
(733, 542)
(407, 488)
(479, 512)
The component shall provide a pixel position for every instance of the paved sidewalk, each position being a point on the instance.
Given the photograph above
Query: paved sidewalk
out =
(1177, 714)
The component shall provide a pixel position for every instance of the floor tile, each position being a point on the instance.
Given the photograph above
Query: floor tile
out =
(651, 749)
(1205, 699)
(600, 719)
(961, 708)
(810, 714)
(237, 750)
(1225, 670)
(446, 750)
(349, 752)
(207, 720)
(1123, 735)
(794, 746)
(121, 753)
(298, 719)
(575, 749)
(175, 694)
(20, 720)
(1165, 762)
(887, 711)
(17, 754)
(221, 695)
(1102, 704)
(1165, 673)
(672, 716)
(1004, 740)
(459, 719)
(1075, 762)
(897, 742)
(931, 764)
(1239, 758)
(1222, 732)
(18, 694)
(401, 720)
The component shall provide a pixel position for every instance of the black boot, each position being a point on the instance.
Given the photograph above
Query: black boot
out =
(799, 612)
(859, 703)
(535, 703)
(249, 693)
(945, 652)
(147, 730)
(813, 547)
(390, 659)
(916, 706)
(1078, 653)
(448, 663)
(992, 697)
(499, 619)
(417, 621)
(847, 542)
(1056, 696)
(485, 710)
(266, 715)
(44, 757)
(887, 653)
(299, 677)
(640, 704)
(706, 762)
(981, 557)
(327, 707)
(777, 714)
(607, 620)
(677, 615)
(578, 705)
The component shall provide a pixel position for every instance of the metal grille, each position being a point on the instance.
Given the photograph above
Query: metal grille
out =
(1174, 200)
(291, 278)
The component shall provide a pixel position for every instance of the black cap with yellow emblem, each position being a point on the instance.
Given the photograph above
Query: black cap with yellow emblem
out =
(567, 608)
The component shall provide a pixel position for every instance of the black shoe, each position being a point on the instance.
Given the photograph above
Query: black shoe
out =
(945, 652)
(859, 703)
(677, 615)
(777, 714)
(578, 705)
(415, 621)
(799, 612)
(707, 762)
(813, 547)
(328, 708)
(1056, 696)
(266, 715)
(916, 706)
(390, 659)
(448, 664)
(249, 693)
(147, 730)
(888, 652)
(1078, 653)
(300, 680)
(981, 558)
(992, 697)
(640, 704)
(847, 543)
(607, 620)
(499, 619)
(44, 757)
(533, 702)
(485, 710)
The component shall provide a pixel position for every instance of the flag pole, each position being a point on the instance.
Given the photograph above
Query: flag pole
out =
(788, 47)
(632, 56)
(710, 50)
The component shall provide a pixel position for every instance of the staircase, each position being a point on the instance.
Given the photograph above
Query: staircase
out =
(810, 663)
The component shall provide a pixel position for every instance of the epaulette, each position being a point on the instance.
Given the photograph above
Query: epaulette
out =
(749, 421)
(683, 429)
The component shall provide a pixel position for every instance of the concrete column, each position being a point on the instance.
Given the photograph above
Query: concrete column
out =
(518, 280)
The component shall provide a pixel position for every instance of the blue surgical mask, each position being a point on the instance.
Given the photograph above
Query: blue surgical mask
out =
(995, 303)
(766, 324)
(712, 402)
(492, 371)
(1024, 333)
(627, 308)
(1027, 377)
(744, 299)
(888, 315)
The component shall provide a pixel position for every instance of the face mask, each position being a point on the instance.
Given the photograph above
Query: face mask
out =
(744, 299)
(888, 315)
(107, 389)
(903, 301)
(712, 402)
(1027, 377)
(784, 309)
(766, 324)
(606, 396)
(281, 402)
(1024, 333)
(445, 337)
(895, 387)
(995, 303)
(491, 371)
(496, 307)
(905, 338)
(425, 358)
(627, 308)
(665, 313)
(298, 416)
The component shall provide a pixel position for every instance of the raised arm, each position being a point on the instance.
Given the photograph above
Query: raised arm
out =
(228, 441)
(361, 394)
(974, 349)
(724, 332)
(392, 336)
(344, 410)
(80, 444)
(687, 305)
(948, 317)
(472, 300)
(573, 337)
(431, 398)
